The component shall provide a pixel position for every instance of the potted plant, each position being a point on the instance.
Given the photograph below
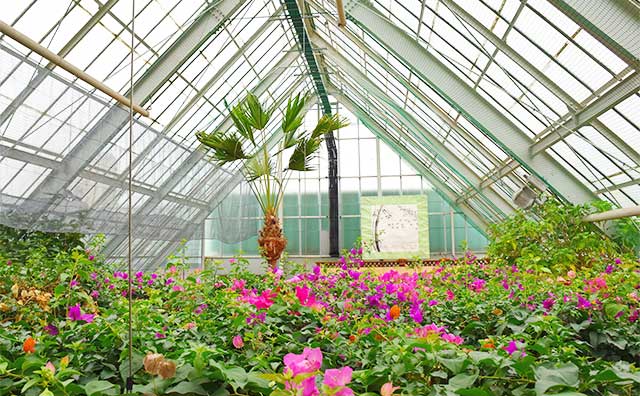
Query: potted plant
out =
(262, 167)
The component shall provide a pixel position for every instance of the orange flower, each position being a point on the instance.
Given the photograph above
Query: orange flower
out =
(488, 345)
(394, 312)
(352, 338)
(29, 345)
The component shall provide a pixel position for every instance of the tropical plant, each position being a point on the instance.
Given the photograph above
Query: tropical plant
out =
(262, 167)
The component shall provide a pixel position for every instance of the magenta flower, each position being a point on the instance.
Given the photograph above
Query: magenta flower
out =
(478, 285)
(307, 386)
(308, 361)
(168, 281)
(52, 330)
(237, 341)
(416, 313)
(94, 276)
(73, 283)
(9, 262)
(450, 295)
(433, 302)
(306, 297)
(452, 338)
(76, 314)
(548, 303)
(583, 303)
(511, 348)
(95, 294)
(334, 378)
(92, 257)
(160, 335)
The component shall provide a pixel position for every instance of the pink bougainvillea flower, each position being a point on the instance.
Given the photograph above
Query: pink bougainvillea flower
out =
(387, 389)
(237, 341)
(583, 303)
(548, 303)
(511, 348)
(334, 378)
(307, 386)
(477, 285)
(450, 295)
(308, 361)
(452, 338)
(416, 313)
(75, 314)
(306, 297)
(238, 284)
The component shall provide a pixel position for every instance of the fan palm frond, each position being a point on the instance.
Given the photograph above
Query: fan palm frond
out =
(329, 123)
(256, 167)
(256, 114)
(304, 152)
(242, 122)
(226, 147)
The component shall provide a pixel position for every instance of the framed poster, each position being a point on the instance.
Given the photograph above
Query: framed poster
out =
(395, 226)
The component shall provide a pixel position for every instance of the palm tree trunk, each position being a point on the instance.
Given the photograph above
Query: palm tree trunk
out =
(271, 240)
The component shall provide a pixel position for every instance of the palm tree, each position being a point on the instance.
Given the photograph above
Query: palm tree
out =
(262, 168)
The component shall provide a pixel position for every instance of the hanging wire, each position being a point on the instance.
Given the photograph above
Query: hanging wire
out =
(129, 384)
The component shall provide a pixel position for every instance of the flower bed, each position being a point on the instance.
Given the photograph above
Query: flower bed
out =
(464, 328)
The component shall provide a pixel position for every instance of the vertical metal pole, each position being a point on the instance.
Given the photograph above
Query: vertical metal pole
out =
(453, 234)
(129, 384)
(202, 244)
(378, 176)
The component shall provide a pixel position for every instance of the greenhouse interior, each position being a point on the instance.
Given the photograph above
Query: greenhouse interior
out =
(320, 197)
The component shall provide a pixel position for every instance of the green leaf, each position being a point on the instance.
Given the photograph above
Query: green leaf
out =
(549, 376)
(328, 123)
(257, 167)
(236, 376)
(257, 116)
(293, 116)
(226, 147)
(29, 384)
(242, 123)
(473, 392)
(302, 155)
(462, 381)
(46, 392)
(99, 387)
(187, 387)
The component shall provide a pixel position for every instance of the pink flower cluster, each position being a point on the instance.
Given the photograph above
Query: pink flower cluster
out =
(433, 329)
(301, 372)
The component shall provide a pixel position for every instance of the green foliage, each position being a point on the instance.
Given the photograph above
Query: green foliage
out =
(574, 334)
(552, 235)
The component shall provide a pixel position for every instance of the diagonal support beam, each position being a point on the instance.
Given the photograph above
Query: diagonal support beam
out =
(464, 99)
(115, 118)
(302, 33)
(442, 188)
(436, 148)
(574, 121)
(520, 60)
(615, 23)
